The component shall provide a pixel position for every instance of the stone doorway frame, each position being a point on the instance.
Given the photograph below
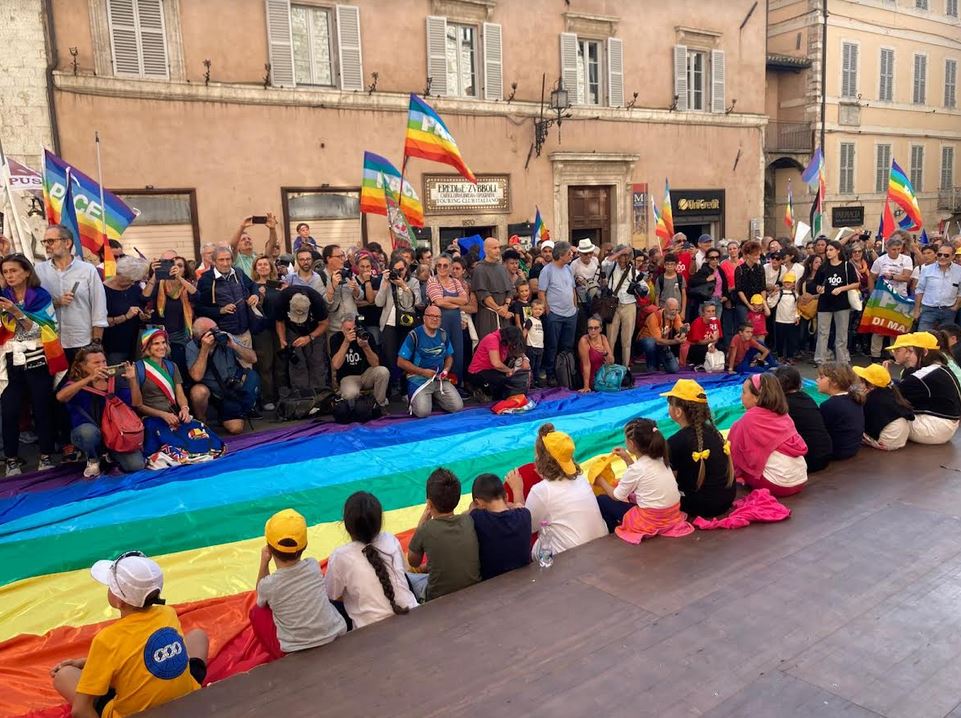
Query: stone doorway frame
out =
(613, 169)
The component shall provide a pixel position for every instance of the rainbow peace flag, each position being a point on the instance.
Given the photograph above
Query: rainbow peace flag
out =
(667, 214)
(429, 138)
(789, 210)
(85, 193)
(813, 176)
(886, 312)
(540, 233)
(380, 173)
(204, 523)
(901, 193)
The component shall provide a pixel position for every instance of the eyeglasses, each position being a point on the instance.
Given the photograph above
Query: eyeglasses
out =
(113, 566)
(942, 254)
(48, 242)
(713, 257)
(593, 328)
(442, 265)
(432, 316)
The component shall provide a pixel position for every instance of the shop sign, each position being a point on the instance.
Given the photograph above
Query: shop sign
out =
(452, 194)
(849, 216)
(687, 202)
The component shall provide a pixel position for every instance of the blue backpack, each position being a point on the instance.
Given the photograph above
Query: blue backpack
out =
(610, 377)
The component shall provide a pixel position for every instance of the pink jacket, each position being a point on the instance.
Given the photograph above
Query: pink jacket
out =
(758, 434)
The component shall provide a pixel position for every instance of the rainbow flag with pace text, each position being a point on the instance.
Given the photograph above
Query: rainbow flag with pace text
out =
(429, 138)
(86, 201)
(886, 312)
(380, 174)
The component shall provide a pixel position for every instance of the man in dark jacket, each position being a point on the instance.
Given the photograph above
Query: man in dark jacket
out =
(227, 296)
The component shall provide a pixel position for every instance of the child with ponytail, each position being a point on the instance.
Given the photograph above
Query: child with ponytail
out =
(887, 414)
(656, 505)
(766, 449)
(699, 455)
(368, 573)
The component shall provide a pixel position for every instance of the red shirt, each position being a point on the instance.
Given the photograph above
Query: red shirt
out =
(685, 263)
(738, 350)
(482, 360)
(700, 329)
(759, 322)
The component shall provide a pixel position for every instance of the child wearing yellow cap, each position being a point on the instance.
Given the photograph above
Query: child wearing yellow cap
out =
(757, 316)
(295, 592)
(930, 387)
(787, 320)
(698, 453)
(887, 414)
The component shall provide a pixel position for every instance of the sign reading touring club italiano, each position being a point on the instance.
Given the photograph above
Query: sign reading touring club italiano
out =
(452, 194)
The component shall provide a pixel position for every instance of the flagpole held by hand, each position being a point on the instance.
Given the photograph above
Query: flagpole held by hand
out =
(109, 265)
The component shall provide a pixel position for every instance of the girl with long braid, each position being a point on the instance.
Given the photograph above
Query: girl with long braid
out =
(648, 479)
(368, 573)
(699, 455)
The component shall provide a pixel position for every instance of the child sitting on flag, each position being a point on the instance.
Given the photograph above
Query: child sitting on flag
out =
(300, 615)
(745, 351)
(887, 414)
(140, 661)
(171, 435)
(656, 505)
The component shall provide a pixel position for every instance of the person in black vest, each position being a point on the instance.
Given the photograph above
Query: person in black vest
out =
(226, 296)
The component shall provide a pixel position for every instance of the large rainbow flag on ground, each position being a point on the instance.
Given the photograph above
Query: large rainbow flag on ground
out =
(204, 523)
(86, 202)
(380, 173)
(886, 312)
(428, 138)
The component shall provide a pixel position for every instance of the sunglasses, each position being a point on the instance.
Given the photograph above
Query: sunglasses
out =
(441, 265)
(48, 242)
(593, 329)
(121, 557)
(940, 254)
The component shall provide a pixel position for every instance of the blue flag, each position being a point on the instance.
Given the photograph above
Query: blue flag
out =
(68, 216)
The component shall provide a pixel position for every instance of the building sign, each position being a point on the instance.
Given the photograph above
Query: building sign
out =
(700, 203)
(452, 194)
(847, 216)
(639, 203)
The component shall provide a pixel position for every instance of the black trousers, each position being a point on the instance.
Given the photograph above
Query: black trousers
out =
(38, 384)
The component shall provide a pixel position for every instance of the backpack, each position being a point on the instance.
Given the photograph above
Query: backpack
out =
(364, 409)
(120, 427)
(565, 370)
(298, 405)
(610, 377)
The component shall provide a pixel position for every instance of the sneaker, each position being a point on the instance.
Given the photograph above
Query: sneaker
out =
(13, 468)
(45, 463)
(269, 406)
(28, 437)
(92, 469)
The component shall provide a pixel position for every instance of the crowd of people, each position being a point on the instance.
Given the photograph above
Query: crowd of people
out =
(242, 333)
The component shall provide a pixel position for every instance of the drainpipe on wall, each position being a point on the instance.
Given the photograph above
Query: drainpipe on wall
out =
(52, 62)
(824, 71)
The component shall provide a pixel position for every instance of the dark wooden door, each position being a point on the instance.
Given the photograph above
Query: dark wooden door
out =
(589, 213)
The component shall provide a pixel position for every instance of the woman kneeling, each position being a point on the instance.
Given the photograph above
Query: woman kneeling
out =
(84, 393)
(168, 426)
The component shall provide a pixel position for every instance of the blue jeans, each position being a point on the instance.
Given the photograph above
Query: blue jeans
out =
(88, 439)
(745, 365)
(933, 317)
(559, 335)
(656, 354)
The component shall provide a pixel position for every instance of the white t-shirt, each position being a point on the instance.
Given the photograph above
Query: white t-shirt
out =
(786, 311)
(884, 265)
(587, 272)
(571, 508)
(351, 579)
(535, 335)
(786, 471)
(652, 483)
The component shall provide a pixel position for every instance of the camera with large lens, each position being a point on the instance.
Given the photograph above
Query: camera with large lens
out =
(221, 338)
(344, 276)
(362, 334)
(393, 275)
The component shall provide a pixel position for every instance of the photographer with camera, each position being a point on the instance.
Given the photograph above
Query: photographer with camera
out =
(214, 358)
(354, 359)
(242, 243)
(341, 289)
(397, 297)
(300, 320)
(662, 336)
(626, 286)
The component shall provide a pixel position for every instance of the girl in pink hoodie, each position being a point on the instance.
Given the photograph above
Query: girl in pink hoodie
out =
(766, 449)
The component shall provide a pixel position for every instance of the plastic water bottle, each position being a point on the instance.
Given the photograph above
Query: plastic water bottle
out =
(545, 546)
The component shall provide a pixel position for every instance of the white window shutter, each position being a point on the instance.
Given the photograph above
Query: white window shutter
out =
(279, 43)
(680, 76)
(493, 62)
(718, 75)
(569, 66)
(615, 72)
(348, 47)
(437, 54)
(153, 42)
(123, 37)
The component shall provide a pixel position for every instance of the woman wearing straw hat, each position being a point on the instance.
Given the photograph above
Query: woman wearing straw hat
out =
(564, 498)
(929, 386)
(887, 414)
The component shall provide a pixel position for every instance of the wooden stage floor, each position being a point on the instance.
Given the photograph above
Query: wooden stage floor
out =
(851, 607)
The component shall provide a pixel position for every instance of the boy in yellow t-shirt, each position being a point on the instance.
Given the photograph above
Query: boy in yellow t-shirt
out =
(140, 661)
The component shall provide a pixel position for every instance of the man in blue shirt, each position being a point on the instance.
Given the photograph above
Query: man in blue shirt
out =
(936, 299)
(556, 288)
(426, 357)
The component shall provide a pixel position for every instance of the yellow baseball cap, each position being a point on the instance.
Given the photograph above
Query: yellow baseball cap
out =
(789, 277)
(920, 340)
(601, 466)
(687, 390)
(958, 251)
(874, 374)
(561, 446)
(286, 531)
(757, 299)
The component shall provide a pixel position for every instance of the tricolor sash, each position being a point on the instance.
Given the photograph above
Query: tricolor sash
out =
(158, 374)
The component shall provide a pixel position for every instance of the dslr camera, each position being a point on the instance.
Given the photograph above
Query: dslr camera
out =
(393, 274)
(221, 338)
(362, 334)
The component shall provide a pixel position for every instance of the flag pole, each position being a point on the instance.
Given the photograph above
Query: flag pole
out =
(25, 246)
(108, 262)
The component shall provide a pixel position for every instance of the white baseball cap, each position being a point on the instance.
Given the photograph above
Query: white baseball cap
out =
(131, 577)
